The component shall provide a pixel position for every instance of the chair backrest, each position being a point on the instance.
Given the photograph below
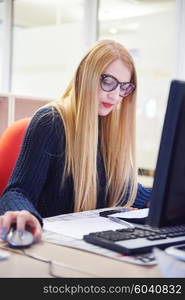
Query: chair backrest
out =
(10, 144)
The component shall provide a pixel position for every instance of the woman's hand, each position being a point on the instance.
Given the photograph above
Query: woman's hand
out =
(22, 219)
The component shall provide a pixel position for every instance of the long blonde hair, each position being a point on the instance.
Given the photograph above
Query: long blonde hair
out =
(78, 108)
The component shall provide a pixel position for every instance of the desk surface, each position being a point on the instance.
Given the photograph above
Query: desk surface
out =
(79, 264)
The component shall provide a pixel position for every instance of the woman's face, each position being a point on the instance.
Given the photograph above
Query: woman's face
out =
(108, 100)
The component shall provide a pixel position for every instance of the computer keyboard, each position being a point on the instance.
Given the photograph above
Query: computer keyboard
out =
(139, 239)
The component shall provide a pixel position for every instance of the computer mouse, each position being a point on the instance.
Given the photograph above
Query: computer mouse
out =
(18, 239)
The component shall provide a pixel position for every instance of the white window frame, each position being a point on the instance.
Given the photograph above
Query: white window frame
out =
(7, 46)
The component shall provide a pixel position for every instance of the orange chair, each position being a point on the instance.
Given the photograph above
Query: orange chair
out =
(10, 144)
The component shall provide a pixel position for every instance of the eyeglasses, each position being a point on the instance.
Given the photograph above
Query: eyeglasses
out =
(109, 83)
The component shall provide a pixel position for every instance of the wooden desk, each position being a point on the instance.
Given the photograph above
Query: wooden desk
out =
(86, 264)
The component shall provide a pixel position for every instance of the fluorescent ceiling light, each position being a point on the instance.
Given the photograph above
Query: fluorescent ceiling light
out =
(129, 9)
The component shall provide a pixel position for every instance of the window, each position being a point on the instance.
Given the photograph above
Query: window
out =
(47, 45)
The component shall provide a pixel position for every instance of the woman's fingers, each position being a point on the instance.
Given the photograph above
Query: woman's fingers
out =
(22, 219)
(6, 221)
(132, 208)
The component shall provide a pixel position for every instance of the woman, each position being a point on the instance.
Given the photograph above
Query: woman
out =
(79, 152)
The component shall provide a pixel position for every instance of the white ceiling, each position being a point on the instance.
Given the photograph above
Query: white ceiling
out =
(28, 13)
(121, 9)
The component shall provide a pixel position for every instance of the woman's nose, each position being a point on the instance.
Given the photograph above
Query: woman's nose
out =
(114, 95)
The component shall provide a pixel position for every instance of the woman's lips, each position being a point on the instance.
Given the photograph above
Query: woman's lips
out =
(107, 105)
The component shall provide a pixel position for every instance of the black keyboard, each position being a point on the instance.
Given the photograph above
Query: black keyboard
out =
(139, 239)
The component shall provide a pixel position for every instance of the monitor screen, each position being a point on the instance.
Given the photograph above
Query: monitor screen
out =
(167, 205)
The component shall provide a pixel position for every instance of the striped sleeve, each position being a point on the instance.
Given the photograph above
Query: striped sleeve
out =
(142, 197)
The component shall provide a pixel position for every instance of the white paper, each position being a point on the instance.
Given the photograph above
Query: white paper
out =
(135, 213)
(76, 228)
(169, 266)
(4, 255)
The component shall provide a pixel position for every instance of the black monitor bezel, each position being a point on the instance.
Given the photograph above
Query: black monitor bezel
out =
(165, 155)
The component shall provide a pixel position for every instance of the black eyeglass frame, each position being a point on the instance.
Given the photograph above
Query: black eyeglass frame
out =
(117, 83)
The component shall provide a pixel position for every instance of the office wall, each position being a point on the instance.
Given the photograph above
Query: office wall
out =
(1, 54)
(153, 48)
(45, 58)
(1, 45)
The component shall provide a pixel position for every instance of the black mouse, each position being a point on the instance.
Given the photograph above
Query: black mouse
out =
(18, 239)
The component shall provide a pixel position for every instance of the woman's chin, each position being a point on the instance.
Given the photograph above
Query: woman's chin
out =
(104, 111)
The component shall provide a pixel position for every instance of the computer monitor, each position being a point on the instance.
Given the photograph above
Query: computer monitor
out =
(167, 205)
